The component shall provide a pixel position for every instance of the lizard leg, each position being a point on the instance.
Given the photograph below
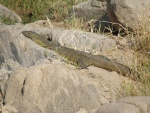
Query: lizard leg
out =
(81, 64)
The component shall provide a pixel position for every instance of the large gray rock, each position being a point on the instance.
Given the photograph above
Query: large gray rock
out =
(128, 13)
(17, 48)
(47, 88)
(6, 13)
(83, 41)
(91, 9)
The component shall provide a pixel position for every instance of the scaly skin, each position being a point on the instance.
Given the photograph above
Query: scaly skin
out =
(82, 59)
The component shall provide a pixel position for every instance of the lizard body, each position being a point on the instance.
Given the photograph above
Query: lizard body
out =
(80, 58)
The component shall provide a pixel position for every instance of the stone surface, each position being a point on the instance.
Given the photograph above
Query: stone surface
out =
(118, 108)
(128, 13)
(91, 9)
(9, 109)
(83, 41)
(6, 13)
(1, 59)
(55, 89)
(19, 49)
(142, 102)
(139, 104)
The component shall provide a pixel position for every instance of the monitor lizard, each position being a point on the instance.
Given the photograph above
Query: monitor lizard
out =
(82, 59)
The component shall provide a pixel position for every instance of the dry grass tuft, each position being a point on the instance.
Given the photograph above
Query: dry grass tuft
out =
(141, 36)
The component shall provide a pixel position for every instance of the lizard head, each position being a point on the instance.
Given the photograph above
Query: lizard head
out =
(27, 34)
(35, 37)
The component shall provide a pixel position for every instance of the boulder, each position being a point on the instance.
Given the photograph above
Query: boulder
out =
(128, 13)
(91, 9)
(17, 48)
(83, 41)
(48, 87)
(6, 13)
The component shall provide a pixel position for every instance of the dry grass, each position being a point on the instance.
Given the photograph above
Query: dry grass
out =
(141, 36)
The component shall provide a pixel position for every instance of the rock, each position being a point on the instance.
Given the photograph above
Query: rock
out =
(139, 104)
(91, 9)
(128, 13)
(83, 41)
(4, 75)
(9, 109)
(142, 102)
(10, 65)
(118, 108)
(16, 51)
(1, 59)
(82, 111)
(19, 49)
(48, 88)
(6, 13)
(20, 75)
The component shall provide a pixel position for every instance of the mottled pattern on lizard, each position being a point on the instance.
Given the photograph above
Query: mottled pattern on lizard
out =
(80, 58)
